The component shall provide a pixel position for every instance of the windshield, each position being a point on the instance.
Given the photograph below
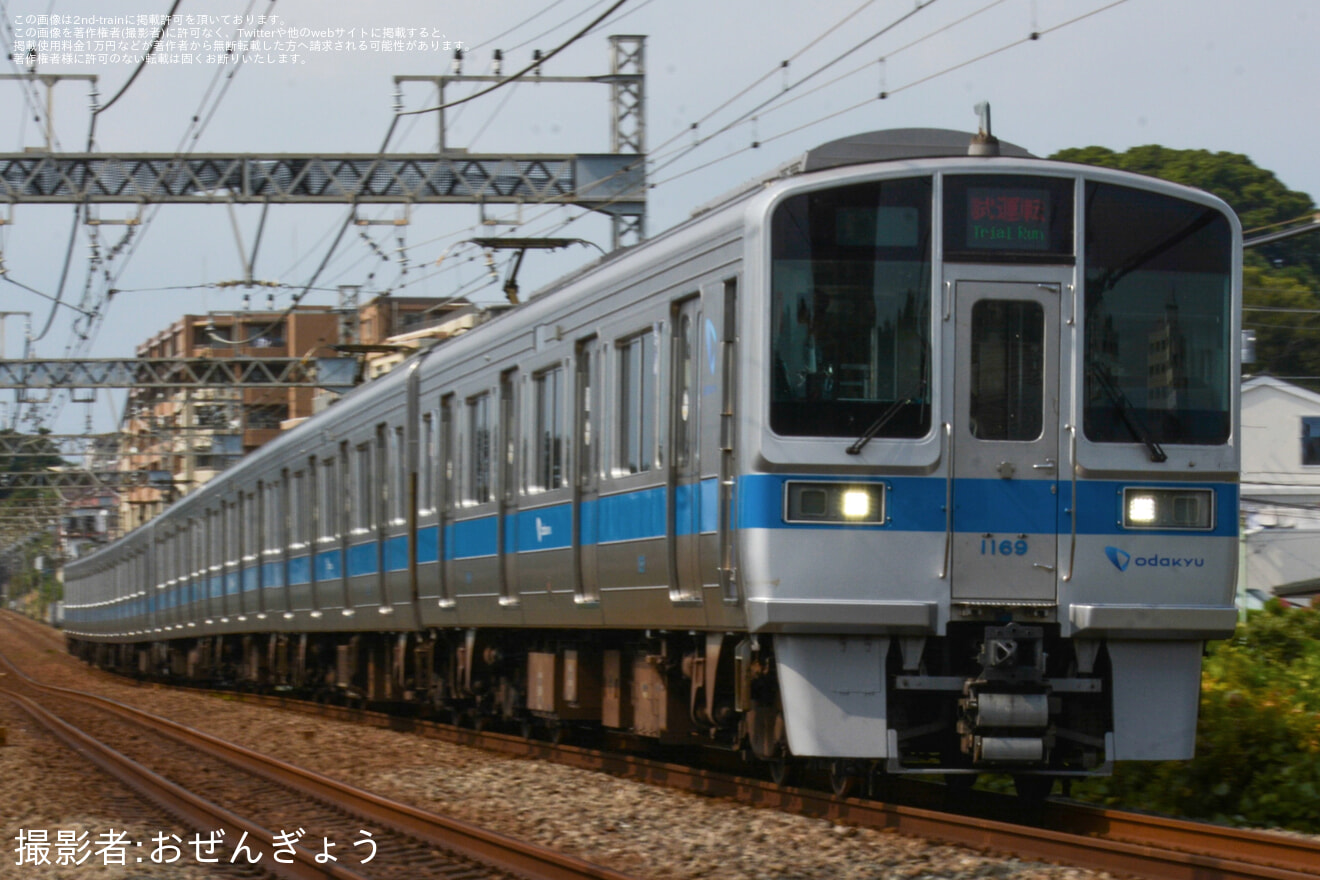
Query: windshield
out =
(1158, 300)
(850, 301)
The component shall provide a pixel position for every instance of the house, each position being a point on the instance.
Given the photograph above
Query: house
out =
(1280, 488)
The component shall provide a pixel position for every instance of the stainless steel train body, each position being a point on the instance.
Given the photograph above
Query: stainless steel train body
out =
(900, 456)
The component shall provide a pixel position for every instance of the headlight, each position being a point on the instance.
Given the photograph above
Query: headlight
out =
(1168, 508)
(813, 502)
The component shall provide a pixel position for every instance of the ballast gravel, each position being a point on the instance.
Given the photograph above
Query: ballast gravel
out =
(628, 826)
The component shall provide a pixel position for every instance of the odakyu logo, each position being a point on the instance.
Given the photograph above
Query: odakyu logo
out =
(1122, 559)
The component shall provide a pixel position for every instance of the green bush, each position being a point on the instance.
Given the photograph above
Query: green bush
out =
(1258, 738)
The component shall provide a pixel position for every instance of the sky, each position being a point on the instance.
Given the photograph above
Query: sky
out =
(1206, 74)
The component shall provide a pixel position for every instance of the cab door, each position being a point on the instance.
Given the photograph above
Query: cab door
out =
(1005, 442)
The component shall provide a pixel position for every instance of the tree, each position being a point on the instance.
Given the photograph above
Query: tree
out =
(31, 453)
(1258, 197)
(1284, 275)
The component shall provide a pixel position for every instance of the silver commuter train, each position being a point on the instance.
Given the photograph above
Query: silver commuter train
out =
(901, 457)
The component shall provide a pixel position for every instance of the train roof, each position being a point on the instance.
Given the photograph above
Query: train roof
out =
(888, 145)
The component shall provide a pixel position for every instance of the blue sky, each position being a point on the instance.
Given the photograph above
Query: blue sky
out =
(1210, 74)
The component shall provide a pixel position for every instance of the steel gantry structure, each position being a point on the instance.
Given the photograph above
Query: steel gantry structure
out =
(613, 184)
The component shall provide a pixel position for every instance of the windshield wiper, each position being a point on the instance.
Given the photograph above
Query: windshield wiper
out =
(1126, 411)
(885, 418)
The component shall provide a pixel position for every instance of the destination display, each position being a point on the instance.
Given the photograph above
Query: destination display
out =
(998, 217)
(1008, 219)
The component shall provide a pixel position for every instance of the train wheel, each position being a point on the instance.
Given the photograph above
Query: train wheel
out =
(783, 769)
(843, 778)
(527, 728)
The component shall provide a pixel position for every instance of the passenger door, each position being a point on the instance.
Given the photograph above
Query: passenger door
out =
(684, 478)
(586, 469)
(507, 510)
(1005, 464)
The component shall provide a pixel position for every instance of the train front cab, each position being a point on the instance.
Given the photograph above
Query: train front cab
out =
(996, 516)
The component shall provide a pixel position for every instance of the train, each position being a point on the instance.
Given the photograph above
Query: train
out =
(918, 455)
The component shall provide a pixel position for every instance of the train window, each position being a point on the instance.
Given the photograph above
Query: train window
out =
(1157, 319)
(249, 522)
(273, 518)
(363, 491)
(328, 498)
(850, 311)
(298, 509)
(684, 394)
(479, 480)
(585, 441)
(1007, 382)
(509, 434)
(199, 559)
(636, 441)
(399, 487)
(448, 471)
(426, 466)
(549, 437)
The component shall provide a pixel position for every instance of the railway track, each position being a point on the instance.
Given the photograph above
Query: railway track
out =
(1065, 832)
(252, 799)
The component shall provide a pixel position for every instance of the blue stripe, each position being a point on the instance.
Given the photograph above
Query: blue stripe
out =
(710, 506)
(272, 574)
(470, 538)
(545, 528)
(362, 559)
(428, 545)
(330, 565)
(249, 578)
(1100, 508)
(632, 516)
(1021, 506)
(916, 504)
(300, 570)
(396, 553)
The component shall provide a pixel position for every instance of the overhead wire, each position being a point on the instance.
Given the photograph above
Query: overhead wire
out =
(783, 65)
(28, 87)
(564, 23)
(524, 71)
(91, 140)
(132, 238)
(400, 115)
(525, 21)
(1033, 36)
(681, 151)
(650, 156)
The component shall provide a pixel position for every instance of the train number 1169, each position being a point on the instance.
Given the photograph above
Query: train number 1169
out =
(992, 546)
